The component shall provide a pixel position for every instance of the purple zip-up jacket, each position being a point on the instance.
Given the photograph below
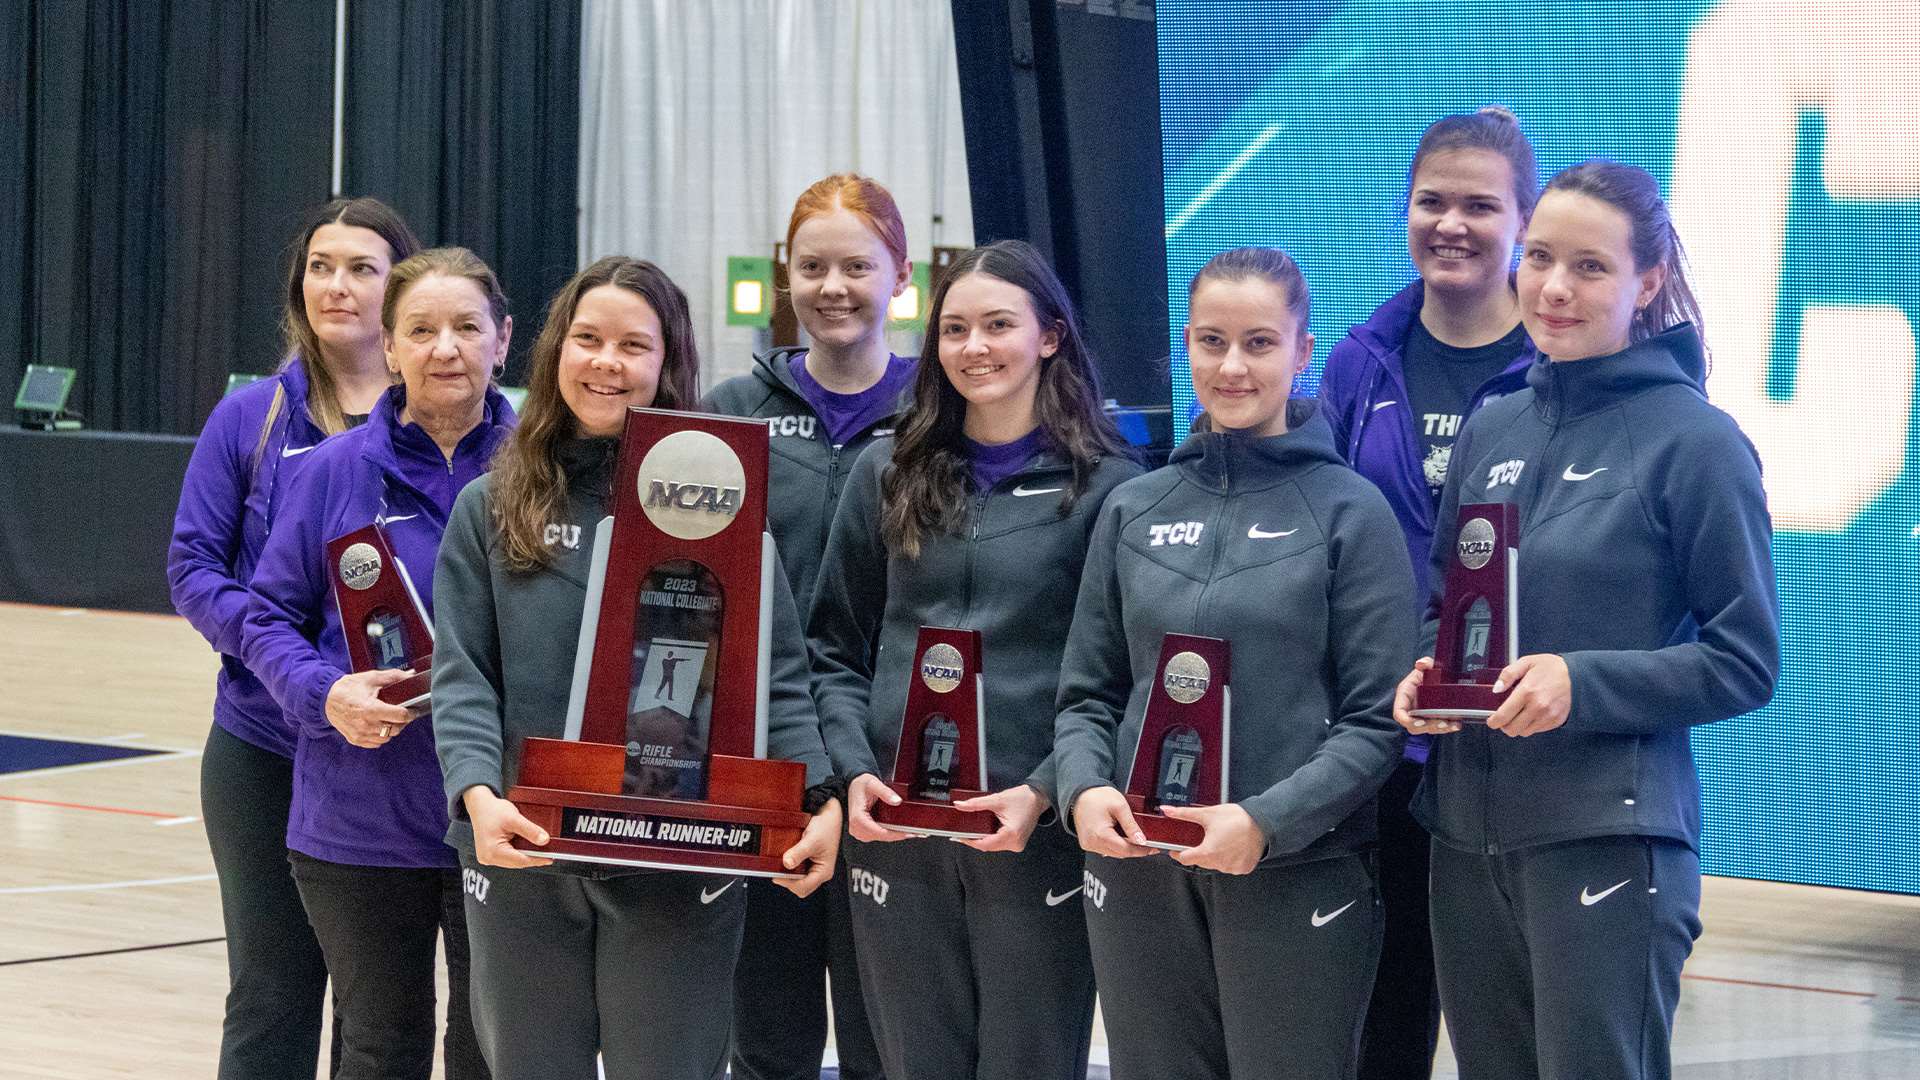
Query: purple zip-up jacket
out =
(227, 502)
(378, 807)
(1364, 396)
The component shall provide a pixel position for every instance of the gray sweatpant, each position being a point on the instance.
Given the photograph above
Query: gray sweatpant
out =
(1207, 976)
(638, 968)
(1562, 962)
(973, 964)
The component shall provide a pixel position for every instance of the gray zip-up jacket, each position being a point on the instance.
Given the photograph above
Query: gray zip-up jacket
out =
(1297, 562)
(1646, 564)
(807, 471)
(504, 644)
(1012, 573)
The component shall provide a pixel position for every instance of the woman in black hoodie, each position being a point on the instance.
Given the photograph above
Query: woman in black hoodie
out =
(1251, 954)
(1566, 874)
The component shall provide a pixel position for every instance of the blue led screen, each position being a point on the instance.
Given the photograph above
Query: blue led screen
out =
(1786, 134)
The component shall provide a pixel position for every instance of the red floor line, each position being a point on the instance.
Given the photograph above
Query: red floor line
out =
(1783, 986)
(86, 806)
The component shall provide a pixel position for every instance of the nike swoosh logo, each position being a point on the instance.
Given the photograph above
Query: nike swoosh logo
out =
(1254, 533)
(1578, 476)
(402, 517)
(1023, 491)
(1056, 901)
(1320, 920)
(709, 897)
(288, 451)
(1383, 404)
(1588, 899)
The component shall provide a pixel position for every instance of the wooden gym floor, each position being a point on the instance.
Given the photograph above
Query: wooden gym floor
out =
(111, 960)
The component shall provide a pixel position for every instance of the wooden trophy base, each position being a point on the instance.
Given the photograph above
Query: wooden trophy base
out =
(749, 819)
(413, 692)
(1461, 702)
(922, 817)
(1163, 832)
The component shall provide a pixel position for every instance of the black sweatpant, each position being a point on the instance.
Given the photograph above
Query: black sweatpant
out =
(378, 927)
(1563, 961)
(780, 987)
(276, 974)
(974, 964)
(1403, 1019)
(637, 967)
(1207, 976)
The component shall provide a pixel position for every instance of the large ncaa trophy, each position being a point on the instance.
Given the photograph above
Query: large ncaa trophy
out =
(381, 616)
(1479, 618)
(943, 741)
(664, 760)
(1181, 757)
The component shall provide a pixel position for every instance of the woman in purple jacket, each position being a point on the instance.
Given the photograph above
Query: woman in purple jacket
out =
(235, 484)
(1397, 390)
(366, 829)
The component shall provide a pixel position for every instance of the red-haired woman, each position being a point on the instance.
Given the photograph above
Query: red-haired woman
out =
(823, 403)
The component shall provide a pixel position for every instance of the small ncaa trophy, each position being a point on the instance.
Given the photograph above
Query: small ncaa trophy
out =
(1479, 618)
(942, 756)
(1181, 757)
(664, 760)
(381, 616)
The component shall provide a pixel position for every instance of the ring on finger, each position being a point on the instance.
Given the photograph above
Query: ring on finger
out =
(386, 731)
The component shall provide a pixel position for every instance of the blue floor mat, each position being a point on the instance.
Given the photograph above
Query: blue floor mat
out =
(20, 753)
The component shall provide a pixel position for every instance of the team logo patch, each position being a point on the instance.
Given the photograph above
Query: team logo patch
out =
(941, 668)
(1476, 543)
(1187, 678)
(360, 566)
(1096, 890)
(1506, 472)
(1175, 532)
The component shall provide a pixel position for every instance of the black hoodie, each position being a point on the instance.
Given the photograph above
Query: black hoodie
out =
(1297, 561)
(1646, 564)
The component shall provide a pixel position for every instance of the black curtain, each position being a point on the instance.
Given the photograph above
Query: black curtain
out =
(155, 158)
(466, 117)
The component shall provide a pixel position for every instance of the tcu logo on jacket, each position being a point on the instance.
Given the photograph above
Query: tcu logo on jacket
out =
(1177, 532)
(1507, 472)
(801, 426)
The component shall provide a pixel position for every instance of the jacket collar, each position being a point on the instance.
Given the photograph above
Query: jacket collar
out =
(1225, 462)
(1577, 388)
(383, 426)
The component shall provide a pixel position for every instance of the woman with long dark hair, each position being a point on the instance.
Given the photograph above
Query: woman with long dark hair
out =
(1566, 829)
(576, 960)
(254, 442)
(975, 516)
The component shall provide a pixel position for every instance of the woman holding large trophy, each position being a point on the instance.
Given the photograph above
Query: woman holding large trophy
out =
(974, 519)
(1258, 560)
(1566, 826)
(573, 960)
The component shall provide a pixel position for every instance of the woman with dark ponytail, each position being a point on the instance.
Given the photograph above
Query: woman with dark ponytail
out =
(1566, 830)
(1250, 955)
(1396, 392)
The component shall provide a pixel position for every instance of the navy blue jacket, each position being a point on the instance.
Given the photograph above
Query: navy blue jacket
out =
(1285, 553)
(1364, 394)
(363, 807)
(1646, 564)
(234, 486)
